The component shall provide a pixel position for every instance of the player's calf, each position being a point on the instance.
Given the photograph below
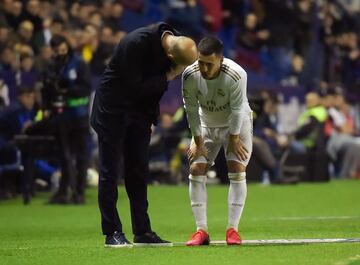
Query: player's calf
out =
(198, 198)
(236, 202)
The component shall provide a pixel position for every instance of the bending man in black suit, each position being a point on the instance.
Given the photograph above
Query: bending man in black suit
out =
(126, 104)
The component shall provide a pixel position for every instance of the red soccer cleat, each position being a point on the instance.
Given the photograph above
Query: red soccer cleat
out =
(232, 237)
(199, 238)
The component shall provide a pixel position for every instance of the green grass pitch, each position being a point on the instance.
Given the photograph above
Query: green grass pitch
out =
(41, 234)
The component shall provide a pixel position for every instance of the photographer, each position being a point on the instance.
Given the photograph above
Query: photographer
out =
(65, 96)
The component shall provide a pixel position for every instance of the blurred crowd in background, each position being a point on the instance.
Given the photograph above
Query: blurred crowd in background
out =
(302, 58)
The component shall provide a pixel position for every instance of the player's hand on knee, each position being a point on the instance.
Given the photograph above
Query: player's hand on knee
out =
(237, 148)
(196, 151)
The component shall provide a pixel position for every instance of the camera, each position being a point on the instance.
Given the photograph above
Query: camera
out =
(55, 90)
(59, 98)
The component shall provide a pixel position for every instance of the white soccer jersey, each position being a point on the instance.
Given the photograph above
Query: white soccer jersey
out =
(220, 102)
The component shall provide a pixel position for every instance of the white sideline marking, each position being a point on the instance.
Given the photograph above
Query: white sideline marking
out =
(265, 242)
(284, 241)
(296, 218)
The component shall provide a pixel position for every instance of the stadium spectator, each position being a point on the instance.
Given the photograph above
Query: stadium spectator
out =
(29, 76)
(266, 122)
(43, 59)
(103, 51)
(187, 17)
(4, 95)
(264, 159)
(309, 134)
(13, 12)
(163, 142)
(10, 67)
(280, 23)
(342, 145)
(13, 121)
(111, 13)
(32, 13)
(295, 77)
(24, 35)
(232, 13)
(66, 91)
(351, 63)
(49, 28)
(4, 35)
(20, 115)
(213, 14)
(250, 38)
(305, 11)
(267, 141)
(7, 58)
(88, 43)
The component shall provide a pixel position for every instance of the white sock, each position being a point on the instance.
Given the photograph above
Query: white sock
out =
(198, 198)
(236, 202)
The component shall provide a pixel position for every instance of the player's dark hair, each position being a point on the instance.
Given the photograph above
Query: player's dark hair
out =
(209, 45)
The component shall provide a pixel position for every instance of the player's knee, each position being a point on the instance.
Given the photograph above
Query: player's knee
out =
(235, 167)
(198, 169)
(237, 177)
(197, 178)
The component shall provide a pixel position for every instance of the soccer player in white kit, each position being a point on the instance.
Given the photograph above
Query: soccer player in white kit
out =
(218, 112)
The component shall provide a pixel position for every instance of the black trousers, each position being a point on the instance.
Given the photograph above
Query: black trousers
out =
(129, 140)
(74, 157)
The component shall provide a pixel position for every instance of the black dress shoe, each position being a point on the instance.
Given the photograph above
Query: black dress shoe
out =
(151, 239)
(117, 240)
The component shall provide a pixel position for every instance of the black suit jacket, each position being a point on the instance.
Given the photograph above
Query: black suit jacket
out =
(135, 78)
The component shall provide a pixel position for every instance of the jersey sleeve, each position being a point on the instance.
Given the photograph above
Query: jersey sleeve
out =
(237, 106)
(191, 105)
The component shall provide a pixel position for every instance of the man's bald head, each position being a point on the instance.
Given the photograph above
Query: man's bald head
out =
(182, 50)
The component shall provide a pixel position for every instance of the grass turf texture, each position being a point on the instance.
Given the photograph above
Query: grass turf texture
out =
(43, 234)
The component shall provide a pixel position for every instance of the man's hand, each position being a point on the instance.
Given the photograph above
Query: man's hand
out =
(236, 147)
(174, 72)
(197, 149)
(282, 140)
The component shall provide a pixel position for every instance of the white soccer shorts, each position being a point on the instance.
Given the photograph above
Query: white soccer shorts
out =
(214, 138)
